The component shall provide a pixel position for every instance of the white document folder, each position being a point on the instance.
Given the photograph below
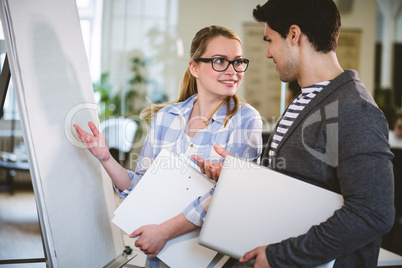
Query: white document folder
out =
(165, 190)
(254, 206)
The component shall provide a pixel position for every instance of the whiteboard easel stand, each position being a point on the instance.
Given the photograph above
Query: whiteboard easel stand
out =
(119, 261)
(4, 82)
(9, 11)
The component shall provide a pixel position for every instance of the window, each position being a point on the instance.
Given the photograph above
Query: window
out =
(90, 12)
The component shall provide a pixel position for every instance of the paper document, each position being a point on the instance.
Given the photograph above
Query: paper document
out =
(165, 190)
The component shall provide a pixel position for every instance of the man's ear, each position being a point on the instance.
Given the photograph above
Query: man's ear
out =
(294, 34)
(192, 67)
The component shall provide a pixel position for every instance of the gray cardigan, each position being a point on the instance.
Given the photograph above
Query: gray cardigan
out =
(339, 142)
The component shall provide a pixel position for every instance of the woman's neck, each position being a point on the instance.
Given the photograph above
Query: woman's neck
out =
(201, 115)
(206, 107)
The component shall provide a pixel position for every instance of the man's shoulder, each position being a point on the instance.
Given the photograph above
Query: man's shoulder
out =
(347, 88)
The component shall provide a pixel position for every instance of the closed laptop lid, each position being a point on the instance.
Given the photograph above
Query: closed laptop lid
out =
(254, 206)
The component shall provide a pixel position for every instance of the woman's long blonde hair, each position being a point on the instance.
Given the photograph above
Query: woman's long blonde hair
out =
(188, 86)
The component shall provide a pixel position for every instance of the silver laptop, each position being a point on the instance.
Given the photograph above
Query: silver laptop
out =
(254, 206)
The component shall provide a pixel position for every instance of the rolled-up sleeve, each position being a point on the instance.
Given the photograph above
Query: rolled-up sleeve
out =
(196, 211)
(147, 156)
(126, 192)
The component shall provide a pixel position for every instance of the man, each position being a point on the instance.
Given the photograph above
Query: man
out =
(398, 126)
(333, 135)
(395, 136)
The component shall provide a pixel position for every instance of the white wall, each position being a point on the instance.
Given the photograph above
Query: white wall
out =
(399, 29)
(363, 17)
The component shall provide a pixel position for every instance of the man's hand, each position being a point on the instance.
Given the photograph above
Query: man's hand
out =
(259, 255)
(211, 169)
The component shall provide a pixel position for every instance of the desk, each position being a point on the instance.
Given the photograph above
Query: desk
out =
(388, 258)
(11, 167)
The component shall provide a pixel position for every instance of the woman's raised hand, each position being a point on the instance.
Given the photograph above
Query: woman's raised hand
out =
(95, 143)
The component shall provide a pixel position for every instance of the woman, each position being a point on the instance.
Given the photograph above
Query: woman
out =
(207, 112)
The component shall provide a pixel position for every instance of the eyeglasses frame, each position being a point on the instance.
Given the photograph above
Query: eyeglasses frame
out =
(230, 62)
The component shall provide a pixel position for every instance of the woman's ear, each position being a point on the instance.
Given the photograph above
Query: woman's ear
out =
(192, 67)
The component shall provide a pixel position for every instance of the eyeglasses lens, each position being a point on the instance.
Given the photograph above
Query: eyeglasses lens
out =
(221, 64)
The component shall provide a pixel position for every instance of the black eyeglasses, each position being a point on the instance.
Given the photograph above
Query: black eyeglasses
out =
(221, 64)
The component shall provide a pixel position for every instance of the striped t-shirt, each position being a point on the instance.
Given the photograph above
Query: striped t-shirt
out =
(298, 104)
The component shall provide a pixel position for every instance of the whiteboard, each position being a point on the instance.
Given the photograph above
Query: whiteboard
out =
(51, 77)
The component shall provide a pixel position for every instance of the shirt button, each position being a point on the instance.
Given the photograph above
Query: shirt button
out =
(191, 145)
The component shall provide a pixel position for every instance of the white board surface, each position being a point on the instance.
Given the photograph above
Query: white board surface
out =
(51, 77)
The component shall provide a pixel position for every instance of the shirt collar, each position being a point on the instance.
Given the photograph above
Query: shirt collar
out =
(183, 108)
(315, 87)
(219, 116)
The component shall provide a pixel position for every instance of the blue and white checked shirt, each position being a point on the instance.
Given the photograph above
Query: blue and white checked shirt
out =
(241, 137)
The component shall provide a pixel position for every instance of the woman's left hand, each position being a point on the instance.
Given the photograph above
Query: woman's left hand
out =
(152, 239)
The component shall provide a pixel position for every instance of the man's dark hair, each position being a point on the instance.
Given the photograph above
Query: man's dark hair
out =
(319, 20)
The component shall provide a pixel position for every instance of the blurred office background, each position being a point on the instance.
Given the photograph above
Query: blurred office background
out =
(138, 51)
